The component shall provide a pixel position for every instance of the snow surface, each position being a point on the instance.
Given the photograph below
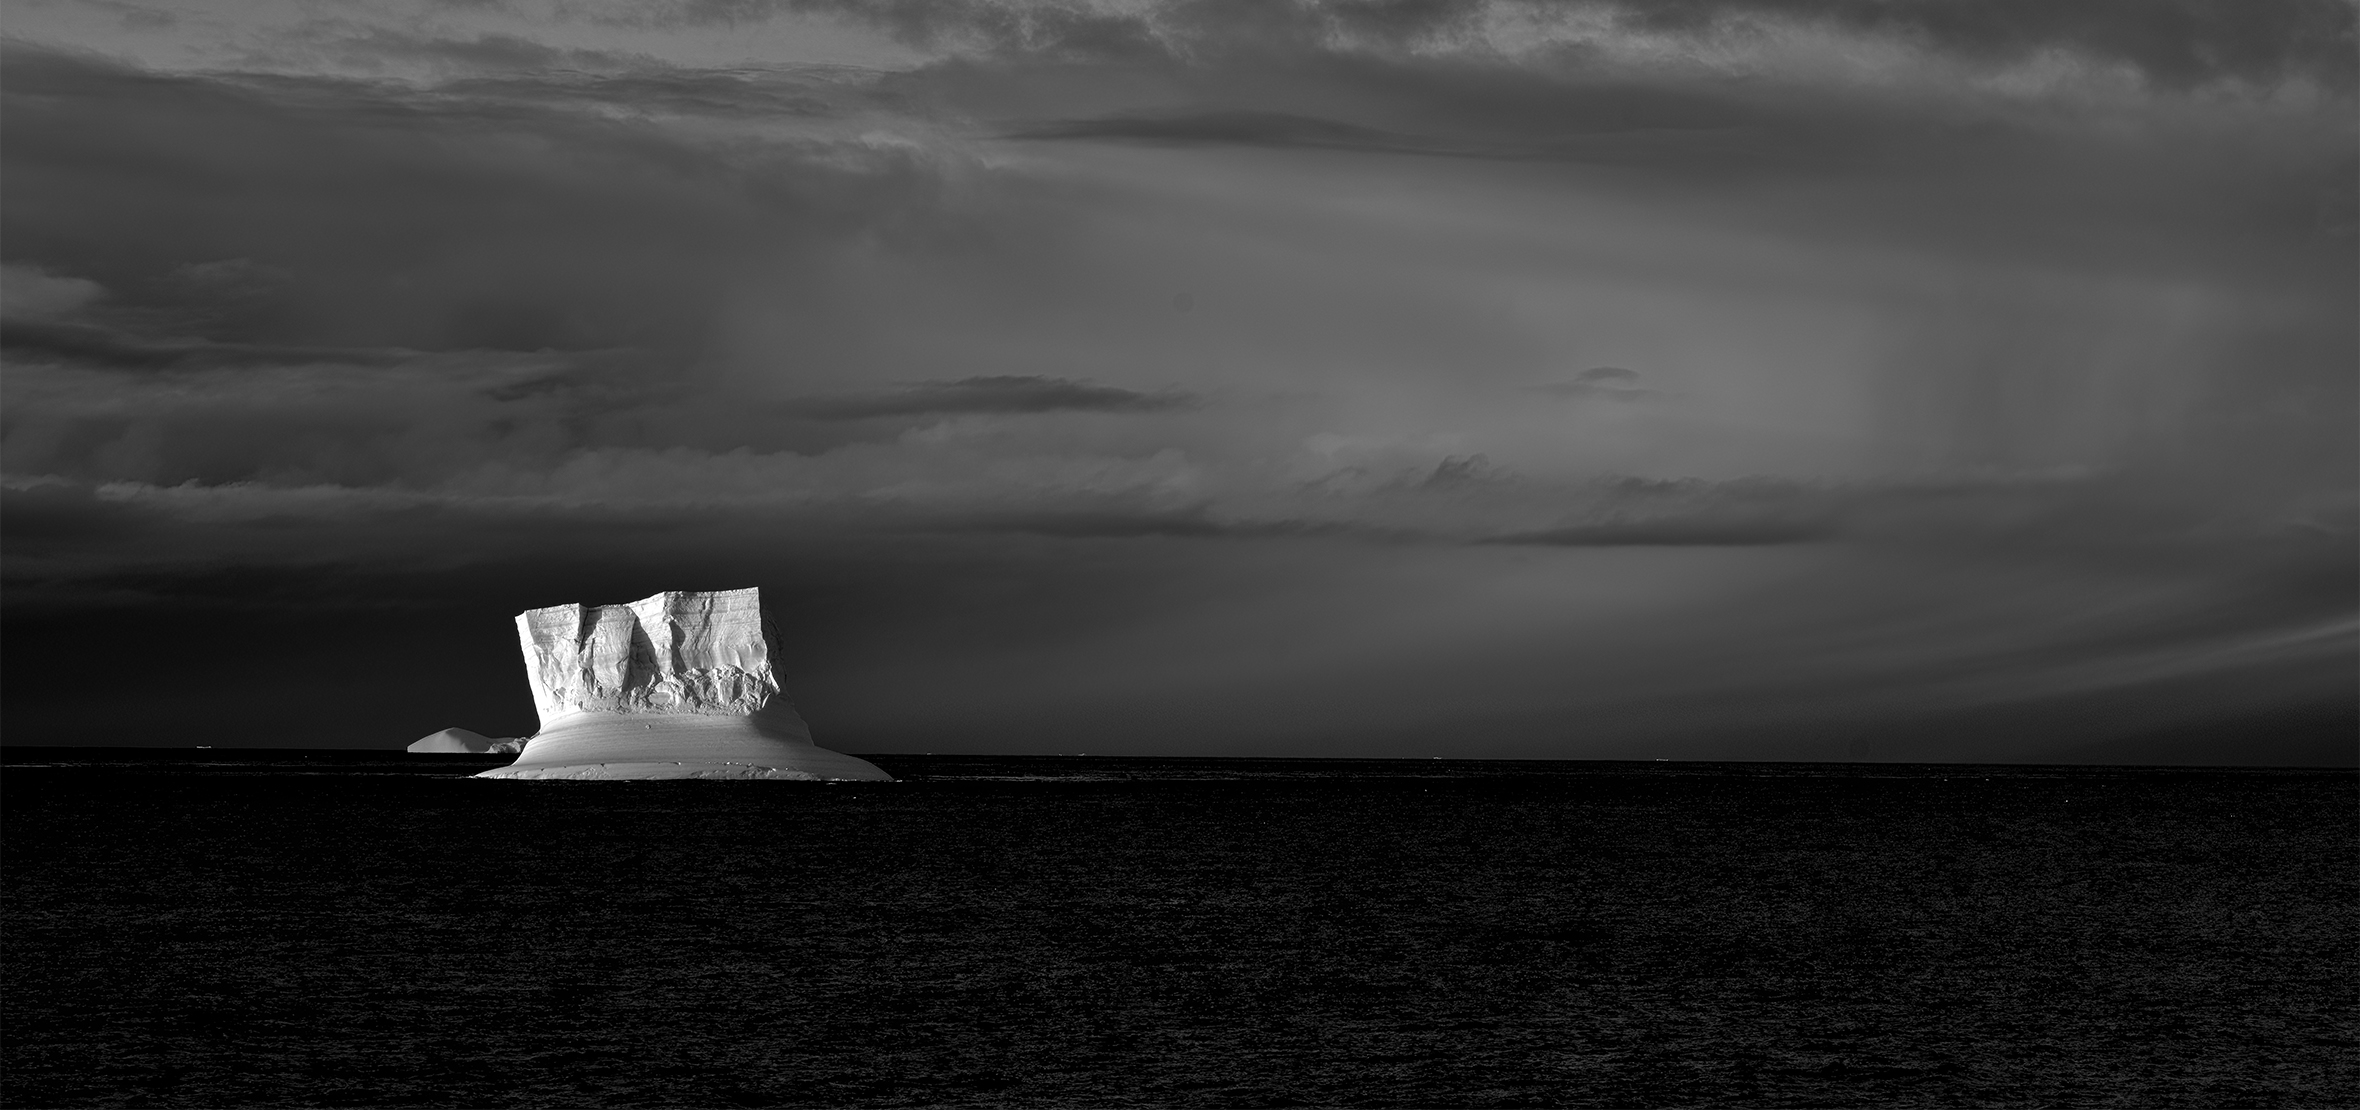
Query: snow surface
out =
(459, 741)
(769, 745)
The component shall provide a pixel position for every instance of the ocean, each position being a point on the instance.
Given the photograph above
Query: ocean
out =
(220, 928)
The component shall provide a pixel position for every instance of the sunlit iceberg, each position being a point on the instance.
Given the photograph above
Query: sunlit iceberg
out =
(675, 686)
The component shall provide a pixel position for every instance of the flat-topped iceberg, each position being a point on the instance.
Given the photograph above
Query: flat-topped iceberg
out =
(675, 686)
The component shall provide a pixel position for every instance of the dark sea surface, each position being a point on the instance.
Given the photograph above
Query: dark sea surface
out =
(320, 929)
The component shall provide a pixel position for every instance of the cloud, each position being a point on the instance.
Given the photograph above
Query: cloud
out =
(27, 292)
(1205, 411)
(1612, 137)
(1277, 129)
(1608, 382)
(1679, 532)
(492, 220)
(2179, 45)
(355, 46)
(708, 284)
(672, 503)
(1008, 393)
(107, 348)
(1132, 635)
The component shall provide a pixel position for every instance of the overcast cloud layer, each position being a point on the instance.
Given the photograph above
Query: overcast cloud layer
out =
(1748, 379)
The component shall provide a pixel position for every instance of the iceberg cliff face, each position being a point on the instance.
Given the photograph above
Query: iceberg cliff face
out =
(672, 653)
(678, 685)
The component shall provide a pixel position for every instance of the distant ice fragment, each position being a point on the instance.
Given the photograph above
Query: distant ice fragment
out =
(674, 686)
(459, 741)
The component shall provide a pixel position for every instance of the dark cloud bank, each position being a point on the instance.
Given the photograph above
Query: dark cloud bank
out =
(1055, 398)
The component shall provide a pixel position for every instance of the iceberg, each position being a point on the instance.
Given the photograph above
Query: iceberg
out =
(459, 741)
(675, 686)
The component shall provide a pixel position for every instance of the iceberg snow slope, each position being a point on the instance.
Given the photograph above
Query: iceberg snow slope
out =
(675, 686)
(459, 741)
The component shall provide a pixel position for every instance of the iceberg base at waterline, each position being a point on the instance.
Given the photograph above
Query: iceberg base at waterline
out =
(680, 746)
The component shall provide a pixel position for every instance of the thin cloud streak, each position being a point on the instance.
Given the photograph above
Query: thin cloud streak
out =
(100, 347)
(1005, 393)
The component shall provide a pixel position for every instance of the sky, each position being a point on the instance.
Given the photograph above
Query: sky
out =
(1939, 380)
